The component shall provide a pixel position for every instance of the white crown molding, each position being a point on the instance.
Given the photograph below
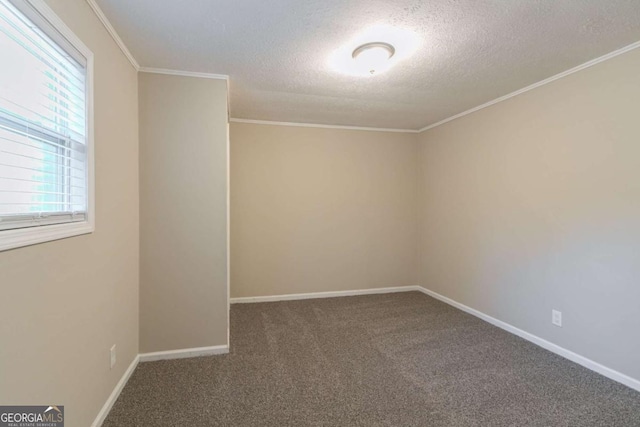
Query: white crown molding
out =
(547, 345)
(183, 73)
(102, 415)
(184, 353)
(314, 125)
(536, 85)
(314, 295)
(112, 31)
(105, 21)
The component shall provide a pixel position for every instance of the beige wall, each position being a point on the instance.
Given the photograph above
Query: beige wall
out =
(65, 303)
(321, 209)
(183, 211)
(529, 205)
(533, 204)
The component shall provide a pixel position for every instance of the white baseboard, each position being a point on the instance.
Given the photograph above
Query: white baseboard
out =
(184, 353)
(314, 295)
(149, 357)
(102, 415)
(554, 348)
(223, 349)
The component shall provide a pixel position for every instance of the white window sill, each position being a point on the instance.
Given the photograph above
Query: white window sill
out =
(11, 239)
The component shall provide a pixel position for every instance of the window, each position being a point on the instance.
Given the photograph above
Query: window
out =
(45, 127)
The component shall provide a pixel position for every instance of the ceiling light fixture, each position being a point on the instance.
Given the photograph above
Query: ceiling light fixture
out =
(373, 56)
(374, 50)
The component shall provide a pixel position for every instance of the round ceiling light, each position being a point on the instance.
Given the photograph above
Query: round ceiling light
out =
(374, 56)
(366, 55)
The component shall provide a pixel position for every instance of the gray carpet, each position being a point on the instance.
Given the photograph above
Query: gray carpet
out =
(381, 360)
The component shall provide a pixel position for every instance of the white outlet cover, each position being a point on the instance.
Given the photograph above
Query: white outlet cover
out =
(556, 317)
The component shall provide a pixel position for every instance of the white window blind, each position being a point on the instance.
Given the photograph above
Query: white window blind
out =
(43, 124)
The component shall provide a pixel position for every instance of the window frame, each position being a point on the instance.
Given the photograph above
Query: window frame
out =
(49, 23)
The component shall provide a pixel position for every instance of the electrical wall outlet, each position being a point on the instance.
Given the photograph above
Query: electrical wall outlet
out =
(113, 356)
(556, 317)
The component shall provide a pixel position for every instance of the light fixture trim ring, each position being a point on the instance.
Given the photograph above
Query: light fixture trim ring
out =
(388, 47)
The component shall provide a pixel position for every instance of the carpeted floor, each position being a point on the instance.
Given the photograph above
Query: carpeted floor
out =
(381, 360)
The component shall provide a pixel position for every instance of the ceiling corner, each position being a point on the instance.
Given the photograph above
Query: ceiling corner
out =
(114, 34)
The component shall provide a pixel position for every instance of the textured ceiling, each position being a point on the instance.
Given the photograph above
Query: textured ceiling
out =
(277, 52)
